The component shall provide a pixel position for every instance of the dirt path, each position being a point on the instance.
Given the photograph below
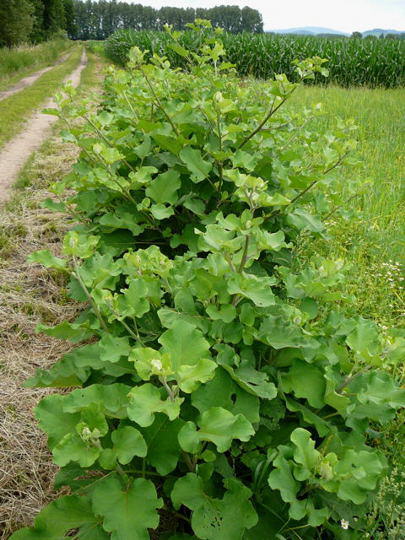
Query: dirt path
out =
(30, 79)
(16, 152)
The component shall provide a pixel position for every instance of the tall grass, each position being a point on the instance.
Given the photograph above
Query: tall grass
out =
(370, 238)
(25, 58)
(352, 62)
(15, 109)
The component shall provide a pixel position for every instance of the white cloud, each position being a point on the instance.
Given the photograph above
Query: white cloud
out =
(344, 15)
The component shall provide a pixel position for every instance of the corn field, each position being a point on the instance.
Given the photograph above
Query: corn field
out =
(352, 62)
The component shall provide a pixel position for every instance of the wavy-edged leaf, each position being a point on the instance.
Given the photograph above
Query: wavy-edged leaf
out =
(216, 425)
(127, 511)
(212, 518)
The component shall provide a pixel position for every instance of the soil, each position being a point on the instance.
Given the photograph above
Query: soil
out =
(16, 152)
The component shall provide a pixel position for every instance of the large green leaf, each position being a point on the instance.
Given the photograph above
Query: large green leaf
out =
(363, 340)
(185, 344)
(112, 348)
(61, 516)
(375, 396)
(190, 377)
(223, 392)
(355, 475)
(45, 257)
(195, 163)
(74, 332)
(303, 220)
(127, 511)
(134, 300)
(83, 443)
(112, 398)
(121, 219)
(212, 518)
(146, 400)
(53, 420)
(279, 333)
(163, 445)
(281, 477)
(127, 443)
(322, 426)
(75, 367)
(189, 355)
(306, 381)
(216, 425)
(163, 189)
(71, 370)
(80, 244)
(252, 381)
(149, 362)
(257, 289)
(304, 453)
(316, 516)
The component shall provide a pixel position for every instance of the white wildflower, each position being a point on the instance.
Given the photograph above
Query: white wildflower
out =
(344, 524)
(157, 364)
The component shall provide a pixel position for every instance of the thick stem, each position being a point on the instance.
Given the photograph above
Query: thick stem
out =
(167, 387)
(133, 334)
(304, 191)
(190, 463)
(347, 381)
(245, 254)
(101, 134)
(265, 120)
(76, 274)
(159, 103)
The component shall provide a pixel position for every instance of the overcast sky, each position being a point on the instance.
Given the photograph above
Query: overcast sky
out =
(344, 15)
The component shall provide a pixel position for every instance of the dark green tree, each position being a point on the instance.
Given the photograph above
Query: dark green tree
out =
(357, 35)
(70, 23)
(16, 22)
(99, 19)
(252, 20)
(37, 33)
(54, 17)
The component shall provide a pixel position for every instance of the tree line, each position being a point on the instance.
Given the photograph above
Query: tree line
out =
(359, 35)
(98, 20)
(34, 21)
(37, 20)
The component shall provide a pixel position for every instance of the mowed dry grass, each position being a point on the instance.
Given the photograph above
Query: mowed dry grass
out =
(30, 295)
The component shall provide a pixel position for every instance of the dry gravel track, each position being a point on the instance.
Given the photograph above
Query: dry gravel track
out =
(16, 152)
(30, 79)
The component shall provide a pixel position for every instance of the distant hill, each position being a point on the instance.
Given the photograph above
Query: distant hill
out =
(309, 31)
(378, 31)
(317, 30)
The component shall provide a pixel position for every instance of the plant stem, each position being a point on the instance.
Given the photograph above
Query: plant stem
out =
(265, 119)
(245, 254)
(304, 191)
(76, 274)
(101, 134)
(159, 103)
(188, 461)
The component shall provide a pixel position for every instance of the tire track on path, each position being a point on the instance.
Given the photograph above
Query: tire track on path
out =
(16, 152)
(30, 79)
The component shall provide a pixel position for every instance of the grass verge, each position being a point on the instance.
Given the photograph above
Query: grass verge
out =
(370, 242)
(20, 61)
(15, 109)
(369, 239)
(29, 296)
